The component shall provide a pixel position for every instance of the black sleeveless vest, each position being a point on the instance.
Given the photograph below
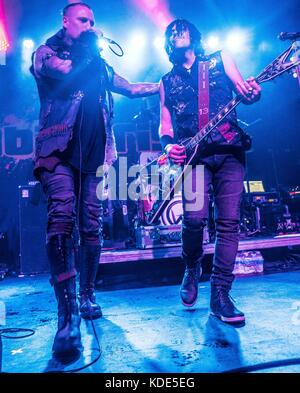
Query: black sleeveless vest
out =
(181, 99)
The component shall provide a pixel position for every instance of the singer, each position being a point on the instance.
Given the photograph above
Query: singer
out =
(74, 138)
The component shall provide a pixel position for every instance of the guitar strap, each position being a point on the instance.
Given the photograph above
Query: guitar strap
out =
(203, 103)
(203, 93)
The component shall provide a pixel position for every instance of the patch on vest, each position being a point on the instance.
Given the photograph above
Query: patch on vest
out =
(212, 63)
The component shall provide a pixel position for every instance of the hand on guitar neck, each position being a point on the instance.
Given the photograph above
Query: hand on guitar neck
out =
(249, 89)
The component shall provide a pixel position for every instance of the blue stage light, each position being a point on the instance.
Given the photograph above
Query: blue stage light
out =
(27, 49)
(28, 44)
(102, 43)
(159, 42)
(238, 40)
(212, 43)
(138, 40)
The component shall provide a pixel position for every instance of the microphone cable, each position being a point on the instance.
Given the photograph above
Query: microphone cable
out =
(121, 52)
(98, 349)
(110, 42)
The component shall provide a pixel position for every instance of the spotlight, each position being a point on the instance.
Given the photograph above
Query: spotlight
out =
(159, 42)
(3, 45)
(102, 43)
(213, 42)
(238, 40)
(138, 40)
(27, 49)
(264, 46)
(28, 44)
(3, 39)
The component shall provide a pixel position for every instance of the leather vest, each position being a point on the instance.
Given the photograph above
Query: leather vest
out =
(181, 99)
(60, 100)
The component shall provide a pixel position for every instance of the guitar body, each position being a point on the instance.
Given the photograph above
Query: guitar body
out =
(192, 154)
(192, 158)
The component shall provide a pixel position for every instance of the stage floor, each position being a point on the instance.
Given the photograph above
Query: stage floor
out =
(148, 330)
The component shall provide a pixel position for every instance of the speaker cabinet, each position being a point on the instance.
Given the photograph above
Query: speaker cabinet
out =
(32, 228)
(17, 142)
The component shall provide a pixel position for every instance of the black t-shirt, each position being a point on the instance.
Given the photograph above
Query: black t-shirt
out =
(87, 147)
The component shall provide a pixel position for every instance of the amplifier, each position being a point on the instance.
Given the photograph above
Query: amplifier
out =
(157, 236)
(294, 194)
(161, 236)
(17, 142)
(263, 198)
(115, 224)
(32, 229)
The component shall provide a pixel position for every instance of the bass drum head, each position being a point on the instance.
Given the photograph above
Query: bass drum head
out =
(173, 213)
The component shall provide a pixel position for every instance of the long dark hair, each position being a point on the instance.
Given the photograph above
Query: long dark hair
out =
(195, 36)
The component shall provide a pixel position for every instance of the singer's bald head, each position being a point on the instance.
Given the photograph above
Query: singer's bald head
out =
(78, 18)
(71, 6)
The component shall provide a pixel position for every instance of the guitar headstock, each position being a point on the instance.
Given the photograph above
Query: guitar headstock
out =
(288, 59)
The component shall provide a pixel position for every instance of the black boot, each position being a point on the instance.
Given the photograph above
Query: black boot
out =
(89, 260)
(222, 305)
(189, 286)
(67, 340)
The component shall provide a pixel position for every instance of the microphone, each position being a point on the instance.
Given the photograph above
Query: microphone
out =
(120, 52)
(101, 36)
(283, 36)
(108, 40)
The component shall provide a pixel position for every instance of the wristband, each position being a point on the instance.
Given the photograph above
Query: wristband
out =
(168, 148)
(166, 140)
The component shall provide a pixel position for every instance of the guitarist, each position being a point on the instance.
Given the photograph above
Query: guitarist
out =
(222, 155)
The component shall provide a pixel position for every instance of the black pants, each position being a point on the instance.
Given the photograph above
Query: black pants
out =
(225, 173)
(62, 187)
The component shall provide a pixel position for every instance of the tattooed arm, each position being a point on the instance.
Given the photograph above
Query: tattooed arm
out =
(133, 90)
(46, 63)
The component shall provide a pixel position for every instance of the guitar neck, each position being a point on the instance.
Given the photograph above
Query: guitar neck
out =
(272, 71)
